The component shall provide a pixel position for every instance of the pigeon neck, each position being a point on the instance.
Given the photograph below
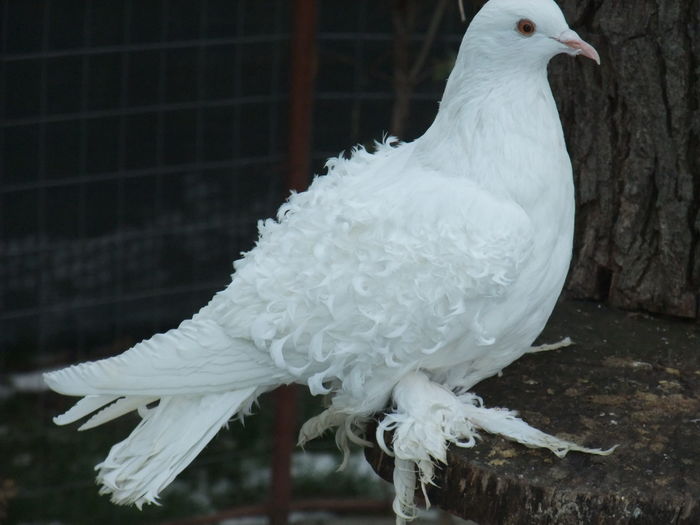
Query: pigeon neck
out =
(484, 110)
(502, 132)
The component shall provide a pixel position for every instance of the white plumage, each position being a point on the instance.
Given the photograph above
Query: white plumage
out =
(412, 272)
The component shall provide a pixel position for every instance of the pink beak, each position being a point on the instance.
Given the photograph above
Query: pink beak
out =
(580, 47)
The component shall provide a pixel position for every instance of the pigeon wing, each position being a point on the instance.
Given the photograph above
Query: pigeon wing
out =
(197, 357)
(369, 271)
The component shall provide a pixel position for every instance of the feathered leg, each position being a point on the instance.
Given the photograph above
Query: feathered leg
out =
(428, 417)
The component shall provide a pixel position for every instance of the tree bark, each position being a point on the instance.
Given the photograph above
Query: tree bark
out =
(8, 490)
(407, 68)
(633, 130)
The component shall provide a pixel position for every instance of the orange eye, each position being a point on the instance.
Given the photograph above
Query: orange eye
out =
(526, 27)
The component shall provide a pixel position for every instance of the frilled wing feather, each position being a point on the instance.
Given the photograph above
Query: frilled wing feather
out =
(381, 263)
(372, 270)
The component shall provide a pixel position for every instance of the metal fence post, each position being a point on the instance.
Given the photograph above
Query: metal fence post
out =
(303, 72)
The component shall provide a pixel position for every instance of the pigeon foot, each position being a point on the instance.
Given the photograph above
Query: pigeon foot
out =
(428, 417)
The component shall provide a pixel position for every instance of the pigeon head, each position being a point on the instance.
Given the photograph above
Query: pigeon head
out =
(523, 33)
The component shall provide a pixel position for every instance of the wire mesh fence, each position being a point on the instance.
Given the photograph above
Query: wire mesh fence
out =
(140, 142)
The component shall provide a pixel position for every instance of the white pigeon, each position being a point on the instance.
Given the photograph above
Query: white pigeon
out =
(408, 274)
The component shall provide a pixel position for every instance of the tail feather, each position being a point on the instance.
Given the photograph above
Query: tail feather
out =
(82, 408)
(165, 442)
(200, 376)
(119, 408)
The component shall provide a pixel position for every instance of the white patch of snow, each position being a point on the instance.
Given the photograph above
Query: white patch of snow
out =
(326, 463)
(29, 382)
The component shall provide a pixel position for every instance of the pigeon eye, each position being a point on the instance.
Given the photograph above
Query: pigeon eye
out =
(526, 27)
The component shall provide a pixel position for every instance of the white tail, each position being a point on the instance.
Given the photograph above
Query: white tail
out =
(199, 377)
(168, 438)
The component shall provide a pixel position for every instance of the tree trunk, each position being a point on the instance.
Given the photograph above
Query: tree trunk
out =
(8, 490)
(408, 68)
(633, 130)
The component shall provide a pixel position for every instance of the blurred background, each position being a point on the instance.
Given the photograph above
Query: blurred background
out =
(141, 141)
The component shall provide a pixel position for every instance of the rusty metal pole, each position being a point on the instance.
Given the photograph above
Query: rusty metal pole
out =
(285, 422)
(301, 95)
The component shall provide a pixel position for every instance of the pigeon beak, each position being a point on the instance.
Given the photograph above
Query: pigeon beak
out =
(578, 46)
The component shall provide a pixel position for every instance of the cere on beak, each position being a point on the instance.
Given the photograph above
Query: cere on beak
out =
(580, 47)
